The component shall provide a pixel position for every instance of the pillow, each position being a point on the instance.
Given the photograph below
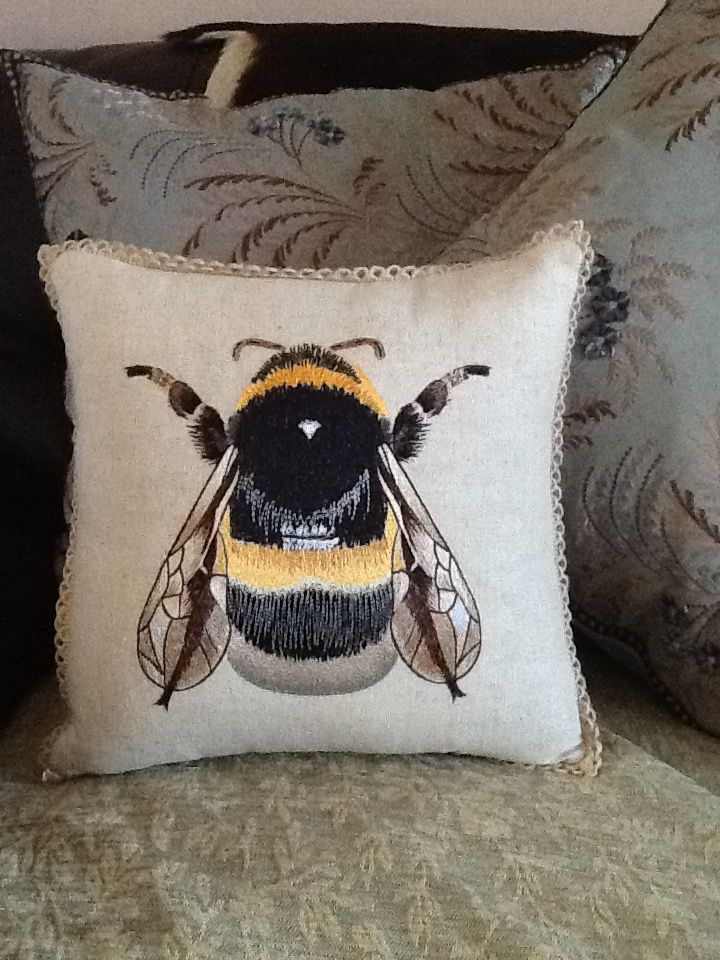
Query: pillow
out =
(641, 477)
(354, 177)
(333, 56)
(275, 578)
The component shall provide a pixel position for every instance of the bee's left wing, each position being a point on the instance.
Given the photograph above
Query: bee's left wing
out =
(182, 633)
(436, 625)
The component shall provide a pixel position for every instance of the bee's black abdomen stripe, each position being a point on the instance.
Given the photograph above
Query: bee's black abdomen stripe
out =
(206, 427)
(311, 623)
(412, 421)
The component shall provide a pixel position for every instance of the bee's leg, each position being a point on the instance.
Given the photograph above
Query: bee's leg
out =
(414, 418)
(205, 424)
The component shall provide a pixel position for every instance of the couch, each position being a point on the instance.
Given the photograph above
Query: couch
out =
(289, 857)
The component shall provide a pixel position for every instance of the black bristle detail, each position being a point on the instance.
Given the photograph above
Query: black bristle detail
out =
(306, 353)
(208, 434)
(409, 432)
(313, 623)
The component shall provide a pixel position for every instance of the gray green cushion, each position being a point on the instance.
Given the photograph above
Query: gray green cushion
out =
(643, 433)
(630, 707)
(348, 178)
(359, 858)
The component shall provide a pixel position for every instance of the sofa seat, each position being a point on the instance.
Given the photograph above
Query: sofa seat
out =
(347, 857)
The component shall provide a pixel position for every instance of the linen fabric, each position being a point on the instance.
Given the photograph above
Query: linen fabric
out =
(486, 472)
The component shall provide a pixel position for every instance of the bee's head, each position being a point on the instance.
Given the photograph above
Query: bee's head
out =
(307, 429)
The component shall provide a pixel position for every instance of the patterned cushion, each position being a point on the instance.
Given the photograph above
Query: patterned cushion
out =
(356, 857)
(641, 479)
(354, 177)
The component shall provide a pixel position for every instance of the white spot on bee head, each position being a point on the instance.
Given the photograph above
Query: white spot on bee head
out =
(309, 427)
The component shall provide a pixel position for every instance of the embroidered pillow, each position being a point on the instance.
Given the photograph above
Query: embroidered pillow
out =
(641, 478)
(352, 177)
(317, 511)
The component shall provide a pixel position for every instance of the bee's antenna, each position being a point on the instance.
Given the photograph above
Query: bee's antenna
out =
(377, 346)
(252, 342)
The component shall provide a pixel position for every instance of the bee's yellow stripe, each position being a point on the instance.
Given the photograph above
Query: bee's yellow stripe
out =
(270, 568)
(307, 374)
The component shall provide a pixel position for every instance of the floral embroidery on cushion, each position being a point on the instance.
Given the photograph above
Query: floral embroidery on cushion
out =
(604, 308)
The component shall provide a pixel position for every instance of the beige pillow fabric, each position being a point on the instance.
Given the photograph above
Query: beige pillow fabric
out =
(321, 580)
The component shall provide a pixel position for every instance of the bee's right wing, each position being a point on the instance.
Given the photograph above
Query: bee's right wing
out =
(436, 626)
(182, 632)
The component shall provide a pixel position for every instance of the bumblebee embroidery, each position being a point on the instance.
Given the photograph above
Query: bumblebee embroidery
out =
(309, 559)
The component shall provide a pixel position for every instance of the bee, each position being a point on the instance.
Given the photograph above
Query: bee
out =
(308, 558)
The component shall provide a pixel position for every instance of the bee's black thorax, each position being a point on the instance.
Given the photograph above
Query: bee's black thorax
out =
(308, 469)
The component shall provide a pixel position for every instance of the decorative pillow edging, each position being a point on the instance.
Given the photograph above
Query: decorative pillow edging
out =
(591, 760)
